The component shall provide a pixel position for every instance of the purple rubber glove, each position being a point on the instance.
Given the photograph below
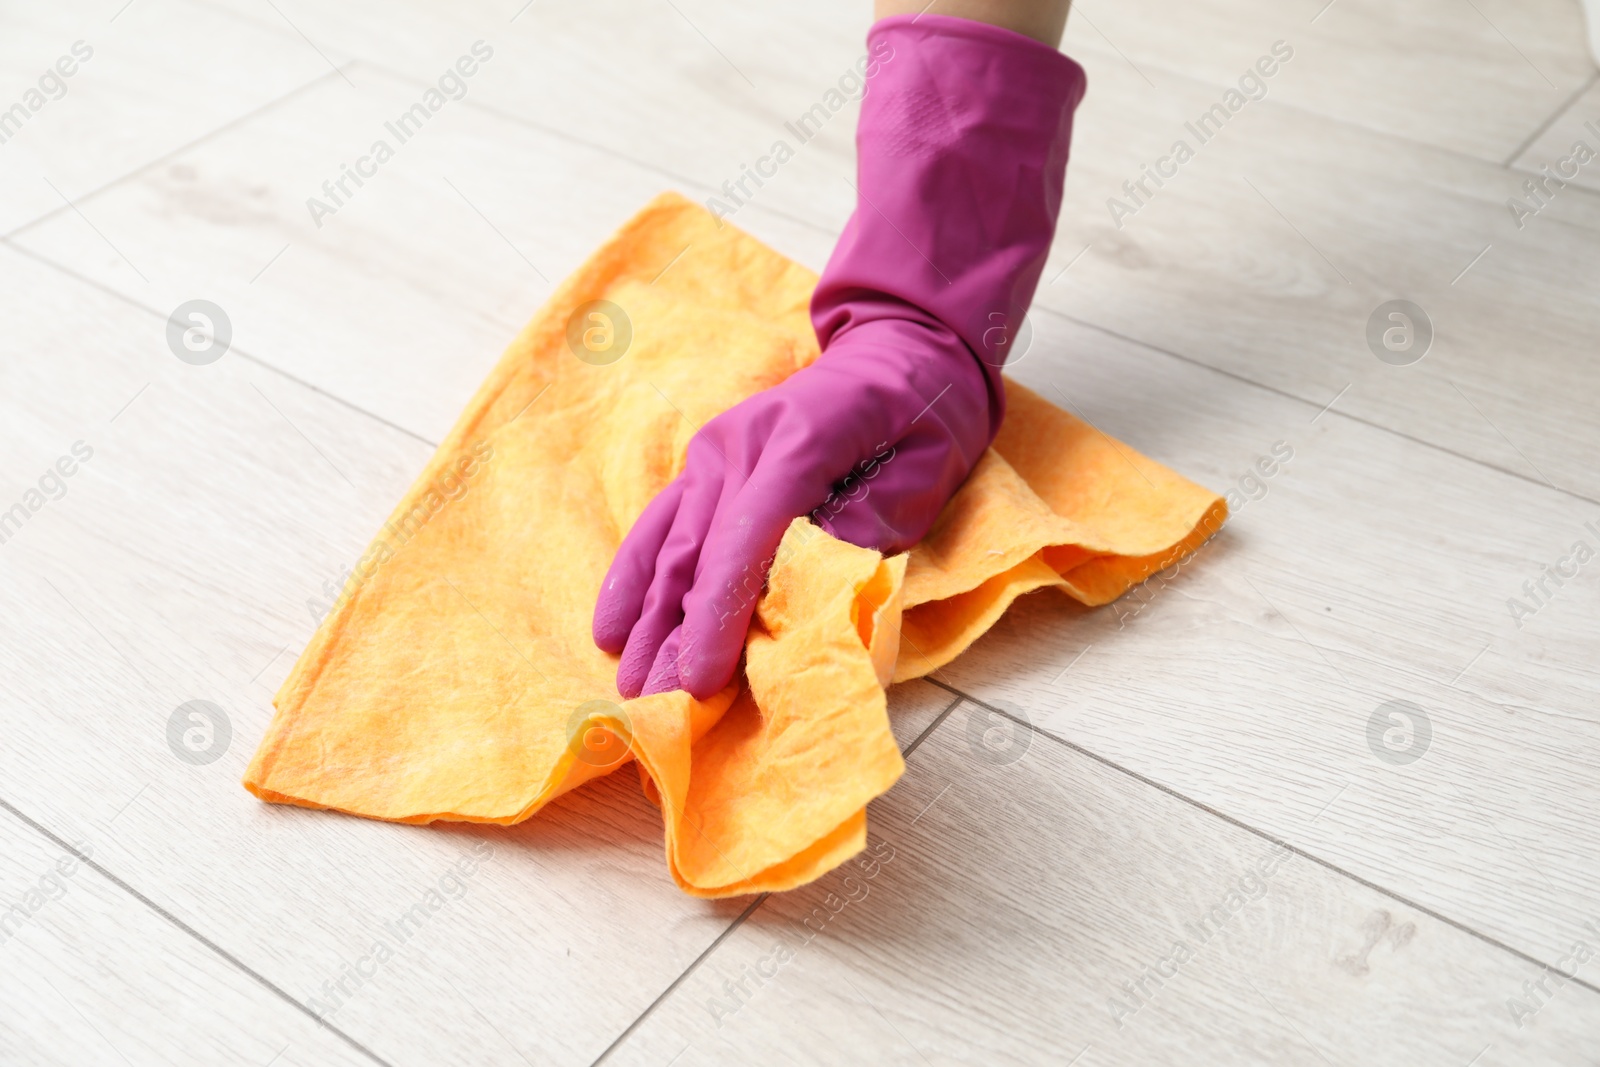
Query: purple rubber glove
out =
(961, 154)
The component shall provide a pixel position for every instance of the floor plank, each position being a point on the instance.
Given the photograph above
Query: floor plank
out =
(1555, 143)
(1367, 568)
(1270, 252)
(91, 975)
(1474, 79)
(139, 89)
(1016, 884)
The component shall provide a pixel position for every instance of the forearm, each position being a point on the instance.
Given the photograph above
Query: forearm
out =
(1043, 20)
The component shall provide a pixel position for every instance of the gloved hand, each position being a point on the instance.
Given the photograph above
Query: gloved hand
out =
(961, 154)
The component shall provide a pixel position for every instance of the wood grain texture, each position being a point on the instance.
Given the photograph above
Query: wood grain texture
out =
(693, 90)
(1372, 569)
(1270, 251)
(1556, 143)
(402, 300)
(91, 976)
(140, 88)
(1019, 884)
(1473, 79)
(186, 557)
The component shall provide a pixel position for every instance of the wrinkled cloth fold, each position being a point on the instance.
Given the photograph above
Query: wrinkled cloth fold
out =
(454, 677)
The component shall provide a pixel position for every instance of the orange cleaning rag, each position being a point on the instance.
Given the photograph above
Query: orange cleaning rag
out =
(455, 677)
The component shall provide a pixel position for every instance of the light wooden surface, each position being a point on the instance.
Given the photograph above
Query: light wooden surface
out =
(1176, 739)
(1014, 899)
(145, 91)
(95, 975)
(1555, 143)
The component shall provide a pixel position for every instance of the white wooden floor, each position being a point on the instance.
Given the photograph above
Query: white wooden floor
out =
(1200, 850)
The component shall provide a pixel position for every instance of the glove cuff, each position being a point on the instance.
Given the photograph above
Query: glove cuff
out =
(961, 157)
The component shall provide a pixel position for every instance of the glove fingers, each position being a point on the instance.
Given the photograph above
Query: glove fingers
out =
(627, 580)
(664, 671)
(662, 610)
(739, 552)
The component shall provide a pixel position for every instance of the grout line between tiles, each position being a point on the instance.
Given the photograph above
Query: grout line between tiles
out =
(217, 949)
(1272, 839)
